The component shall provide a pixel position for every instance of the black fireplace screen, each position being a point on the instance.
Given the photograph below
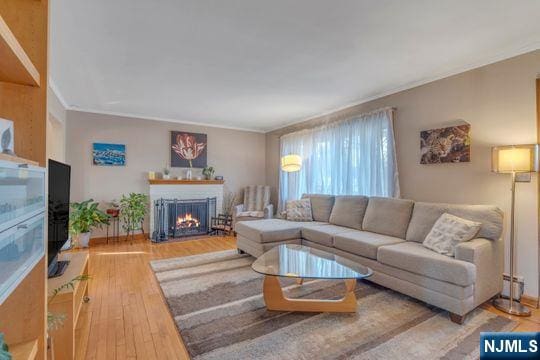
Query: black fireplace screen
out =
(178, 218)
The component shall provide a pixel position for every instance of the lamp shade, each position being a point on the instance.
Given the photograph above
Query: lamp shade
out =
(291, 163)
(514, 158)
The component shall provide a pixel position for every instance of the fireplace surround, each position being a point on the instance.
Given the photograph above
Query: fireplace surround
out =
(179, 218)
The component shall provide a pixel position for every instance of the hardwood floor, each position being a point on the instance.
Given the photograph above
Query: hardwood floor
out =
(127, 318)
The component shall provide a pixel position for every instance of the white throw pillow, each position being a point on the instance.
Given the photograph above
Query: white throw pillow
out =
(299, 210)
(448, 231)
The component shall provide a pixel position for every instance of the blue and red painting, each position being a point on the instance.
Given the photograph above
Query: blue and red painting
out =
(109, 154)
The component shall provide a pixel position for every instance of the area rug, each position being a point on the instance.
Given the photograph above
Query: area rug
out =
(217, 304)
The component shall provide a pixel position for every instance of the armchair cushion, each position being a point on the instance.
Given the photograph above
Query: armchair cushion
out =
(257, 214)
(256, 197)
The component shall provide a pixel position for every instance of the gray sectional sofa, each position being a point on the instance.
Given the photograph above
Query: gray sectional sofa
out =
(386, 235)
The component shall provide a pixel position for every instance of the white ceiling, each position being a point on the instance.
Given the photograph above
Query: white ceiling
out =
(260, 65)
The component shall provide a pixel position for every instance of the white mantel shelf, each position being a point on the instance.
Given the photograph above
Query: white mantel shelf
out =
(184, 182)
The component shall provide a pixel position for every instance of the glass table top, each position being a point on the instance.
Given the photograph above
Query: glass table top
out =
(298, 261)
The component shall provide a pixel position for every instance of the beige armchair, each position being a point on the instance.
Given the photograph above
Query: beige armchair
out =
(256, 204)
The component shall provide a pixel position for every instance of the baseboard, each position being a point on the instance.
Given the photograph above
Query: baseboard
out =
(531, 301)
(121, 238)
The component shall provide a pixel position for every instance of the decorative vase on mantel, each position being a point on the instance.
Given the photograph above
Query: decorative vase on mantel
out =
(189, 174)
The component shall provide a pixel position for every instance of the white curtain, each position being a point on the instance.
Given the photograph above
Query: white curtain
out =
(356, 156)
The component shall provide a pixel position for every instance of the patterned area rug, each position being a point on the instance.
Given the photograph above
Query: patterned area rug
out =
(217, 304)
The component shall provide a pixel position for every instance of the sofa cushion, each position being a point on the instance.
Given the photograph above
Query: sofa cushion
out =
(321, 206)
(349, 211)
(413, 257)
(298, 210)
(425, 215)
(363, 243)
(448, 232)
(270, 230)
(388, 216)
(323, 234)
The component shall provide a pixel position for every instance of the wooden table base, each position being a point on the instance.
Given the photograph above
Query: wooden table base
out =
(274, 299)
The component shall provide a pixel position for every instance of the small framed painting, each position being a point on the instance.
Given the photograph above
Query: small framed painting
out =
(446, 145)
(188, 150)
(109, 154)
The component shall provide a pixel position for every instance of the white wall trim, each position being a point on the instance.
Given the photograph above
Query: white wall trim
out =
(520, 50)
(59, 96)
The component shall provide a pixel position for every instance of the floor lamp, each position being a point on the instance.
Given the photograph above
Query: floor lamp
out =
(513, 159)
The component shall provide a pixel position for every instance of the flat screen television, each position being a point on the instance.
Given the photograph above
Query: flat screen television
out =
(59, 184)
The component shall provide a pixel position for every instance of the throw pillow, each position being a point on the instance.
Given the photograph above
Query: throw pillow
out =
(448, 231)
(299, 210)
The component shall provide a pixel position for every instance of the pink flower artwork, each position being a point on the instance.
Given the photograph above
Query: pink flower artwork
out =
(188, 150)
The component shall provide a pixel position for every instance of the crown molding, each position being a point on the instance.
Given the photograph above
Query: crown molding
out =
(59, 96)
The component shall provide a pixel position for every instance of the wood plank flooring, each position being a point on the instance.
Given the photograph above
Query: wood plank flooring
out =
(127, 317)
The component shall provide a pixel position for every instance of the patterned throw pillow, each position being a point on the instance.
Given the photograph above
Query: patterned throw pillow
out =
(299, 210)
(448, 231)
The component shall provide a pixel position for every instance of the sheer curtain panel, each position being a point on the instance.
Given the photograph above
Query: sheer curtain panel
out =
(356, 156)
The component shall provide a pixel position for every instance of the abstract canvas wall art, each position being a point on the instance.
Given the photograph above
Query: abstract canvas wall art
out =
(446, 145)
(109, 154)
(188, 150)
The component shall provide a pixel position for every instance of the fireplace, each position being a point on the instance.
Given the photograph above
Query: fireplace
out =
(174, 218)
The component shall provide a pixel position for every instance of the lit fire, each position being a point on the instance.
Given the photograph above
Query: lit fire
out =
(187, 221)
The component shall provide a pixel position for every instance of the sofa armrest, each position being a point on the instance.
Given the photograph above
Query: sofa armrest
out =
(269, 211)
(488, 257)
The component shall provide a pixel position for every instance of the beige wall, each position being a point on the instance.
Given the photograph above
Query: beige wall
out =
(56, 128)
(499, 101)
(237, 155)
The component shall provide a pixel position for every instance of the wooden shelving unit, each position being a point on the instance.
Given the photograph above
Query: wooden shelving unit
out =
(17, 159)
(24, 38)
(15, 65)
(68, 302)
(24, 351)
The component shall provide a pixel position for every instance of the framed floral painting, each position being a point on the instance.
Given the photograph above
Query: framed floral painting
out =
(188, 150)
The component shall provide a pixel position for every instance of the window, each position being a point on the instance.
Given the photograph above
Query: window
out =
(350, 157)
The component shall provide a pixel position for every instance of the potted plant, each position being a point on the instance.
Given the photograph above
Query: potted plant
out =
(133, 209)
(208, 172)
(83, 218)
(4, 350)
(166, 173)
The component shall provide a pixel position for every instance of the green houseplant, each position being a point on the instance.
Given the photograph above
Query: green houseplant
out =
(208, 172)
(4, 351)
(83, 218)
(133, 209)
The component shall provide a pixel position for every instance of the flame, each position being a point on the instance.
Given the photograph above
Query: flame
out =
(187, 221)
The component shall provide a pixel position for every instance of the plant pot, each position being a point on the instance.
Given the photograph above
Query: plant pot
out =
(166, 177)
(84, 239)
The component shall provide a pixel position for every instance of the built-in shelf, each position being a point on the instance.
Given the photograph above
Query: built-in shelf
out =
(17, 159)
(15, 65)
(24, 351)
(183, 182)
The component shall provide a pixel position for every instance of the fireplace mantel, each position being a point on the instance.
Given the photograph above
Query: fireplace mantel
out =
(184, 190)
(183, 182)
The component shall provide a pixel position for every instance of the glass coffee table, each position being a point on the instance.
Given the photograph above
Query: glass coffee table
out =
(304, 262)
